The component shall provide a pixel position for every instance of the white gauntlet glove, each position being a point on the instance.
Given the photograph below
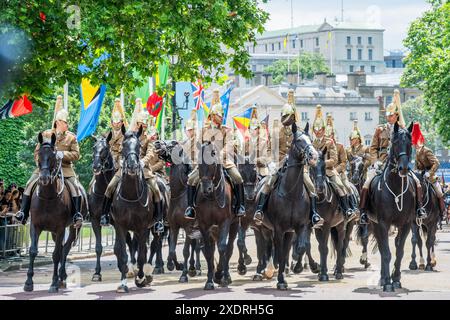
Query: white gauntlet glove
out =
(59, 155)
(272, 167)
(142, 163)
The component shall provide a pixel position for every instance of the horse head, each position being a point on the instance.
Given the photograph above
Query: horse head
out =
(247, 168)
(319, 172)
(48, 167)
(209, 167)
(401, 147)
(102, 155)
(131, 147)
(302, 149)
(357, 169)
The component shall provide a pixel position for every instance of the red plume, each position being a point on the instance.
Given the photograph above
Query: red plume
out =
(417, 136)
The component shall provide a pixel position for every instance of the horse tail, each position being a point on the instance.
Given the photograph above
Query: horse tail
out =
(374, 244)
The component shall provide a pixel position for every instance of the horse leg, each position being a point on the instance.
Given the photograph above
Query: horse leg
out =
(132, 264)
(65, 252)
(97, 276)
(364, 242)
(313, 265)
(159, 263)
(34, 236)
(260, 253)
(242, 269)
(233, 231)
(140, 280)
(419, 246)
(400, 240)
(222, 248)
(341, 251)
(186, 252)
(322, 237)
(56, 260)
(198, 249)
(173, 238)
(429, 244)
(284, 245)
(121, 254)
(381, 233)
(209, 256)
(414, 235)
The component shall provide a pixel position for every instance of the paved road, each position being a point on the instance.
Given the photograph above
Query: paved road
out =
(357, 283)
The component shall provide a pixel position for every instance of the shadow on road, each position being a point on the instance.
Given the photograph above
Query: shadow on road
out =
(36, 294)
(378, 291)
(113, 295)
(197, 293)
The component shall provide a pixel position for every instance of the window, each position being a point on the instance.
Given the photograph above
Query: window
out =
(372, 69)
(369, 40)
(367, 142)
(349, 54)
(317, 41)
(359, 54)
(301, 43)
(266, 46)
(348, 40)
(253, 49)
(359, 40)
(248, 49)
(368, 116)
(293, 43)
(361, 68)
(353, 116)
(305, 116)
(279, 45)
(247, 81)
(351, 69)
(254, 67)
(370, 54)
(273, 46)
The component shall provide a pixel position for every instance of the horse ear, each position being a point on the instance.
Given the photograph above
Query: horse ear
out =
(139, 133)
(396, 126)
(306, 130)
(109, 137)
(294, 127)
(53, 141)
(122, 129)
(40, 138)
(410, 128)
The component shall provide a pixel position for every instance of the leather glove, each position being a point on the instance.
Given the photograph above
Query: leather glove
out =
(142, 163)
(59, 155)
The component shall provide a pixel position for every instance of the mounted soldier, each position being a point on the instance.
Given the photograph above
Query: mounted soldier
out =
(379, 150)
(285, 136)
(147, 154)
(68, 152)
(427, 162)
(257, 147)
(357, 149)
(328, 148)
(222, 137)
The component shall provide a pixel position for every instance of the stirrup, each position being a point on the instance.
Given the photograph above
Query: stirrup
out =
(240, 212)
(258, 217)
(363, 219)
(20, 215)
(319, 223)
(104, 220)
(421, 213)
(189, 213)
(159, 227)
(77, 220)
(350, 215)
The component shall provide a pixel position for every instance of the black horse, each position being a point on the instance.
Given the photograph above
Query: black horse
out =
(392, 201)
(288, 204)
(51, 210)
(427, 227)
(132, 210)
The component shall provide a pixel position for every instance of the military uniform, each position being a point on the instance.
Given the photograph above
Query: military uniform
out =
(259, 147)
(341, 167)
(427, 161)
(359, 151)
(115, 145)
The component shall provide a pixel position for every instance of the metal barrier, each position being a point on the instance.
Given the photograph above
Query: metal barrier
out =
(13, 238)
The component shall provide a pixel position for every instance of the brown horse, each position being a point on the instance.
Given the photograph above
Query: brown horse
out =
(51, 210)
(132, 210)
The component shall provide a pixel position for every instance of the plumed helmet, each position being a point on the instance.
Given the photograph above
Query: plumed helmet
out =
(319, 121)
(395, 107)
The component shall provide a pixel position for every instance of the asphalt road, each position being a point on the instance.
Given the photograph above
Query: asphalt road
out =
(358, 283)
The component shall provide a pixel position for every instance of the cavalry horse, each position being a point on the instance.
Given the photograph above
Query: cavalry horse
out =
(429, 227)
(392, 201)
(179, 171)
(132, 210)
(288, 204)
(214, 214)
(51, 210)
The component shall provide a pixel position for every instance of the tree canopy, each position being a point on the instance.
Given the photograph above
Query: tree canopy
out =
(428, 62)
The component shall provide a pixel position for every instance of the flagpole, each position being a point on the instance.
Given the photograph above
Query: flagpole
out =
(66, 96)
(122, 95)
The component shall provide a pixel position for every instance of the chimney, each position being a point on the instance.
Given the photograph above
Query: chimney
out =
(331, 80)
(355, 79)
(321, 79)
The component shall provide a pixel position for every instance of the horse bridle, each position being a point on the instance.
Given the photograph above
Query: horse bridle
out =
(303, 153)
(53, 174)
(141, 179)
(105, 163)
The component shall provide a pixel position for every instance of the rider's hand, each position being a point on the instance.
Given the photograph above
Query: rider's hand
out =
(426, 175)
(142, 163)
(59, 155)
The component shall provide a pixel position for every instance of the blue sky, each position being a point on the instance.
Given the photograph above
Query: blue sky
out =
(393, 15)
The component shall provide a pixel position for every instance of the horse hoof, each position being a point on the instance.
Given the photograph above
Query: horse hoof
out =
(192, 272)
(306, 266)
(388, 288)
(282, 286)
(28, 287)
(53, 289)
(130, 274)
(170, 266)
(413, 265)
(396, 284)
(339, 276)
(428, 267)
(122, 289)
(298, 268)
(247, 259)
(257, 277)
(97, 278)
(422, 266)
(242, 270)
(315, 268)
(149, 279)
(323, 277)
(362, 261)
(224, 283)
(62, 284)
(367, 265)
(179, 266)
(140, 283)
(158, 270)
(198, 273)
(183, 279)
(209, 286)
(216, 280)
(433, 263)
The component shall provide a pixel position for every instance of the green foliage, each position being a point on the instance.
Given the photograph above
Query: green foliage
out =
(201, 34)
(428, 63)
(307, 64)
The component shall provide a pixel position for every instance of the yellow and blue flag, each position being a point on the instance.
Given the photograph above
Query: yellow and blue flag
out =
(91, 104)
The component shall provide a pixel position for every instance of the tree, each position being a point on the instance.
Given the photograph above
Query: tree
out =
(428, 63)
(56, 40)
(307, 64)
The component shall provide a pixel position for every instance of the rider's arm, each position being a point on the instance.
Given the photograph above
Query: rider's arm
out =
(74, 153)
(373, 150)
(332, 158)
(434, 162)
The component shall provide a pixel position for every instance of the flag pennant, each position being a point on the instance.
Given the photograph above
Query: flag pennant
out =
(242, 121)
(17, 108)
(91, 103)
(154, 104)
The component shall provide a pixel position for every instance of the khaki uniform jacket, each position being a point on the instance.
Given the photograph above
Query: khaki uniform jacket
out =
(360, 151)
(260, 147)
(284, 142)
(426, 160)
(223, 140)
(66, 142)
(342, 158)
(380, 143)
(115, 145)
(331, 157)
(157, 165)
(190, 149)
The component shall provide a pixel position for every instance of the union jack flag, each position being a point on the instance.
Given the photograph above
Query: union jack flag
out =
(198, 93)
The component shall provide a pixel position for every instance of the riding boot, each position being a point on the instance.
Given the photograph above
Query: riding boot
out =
(442, 207)
(190, 211)
(104, 220)
(421, 213)
(159, 225)
(316, 220)
(258, 216)
(241, 200)
(24, 212)
(77, 217)
(352, 203)
(363, 219)
(349, 213)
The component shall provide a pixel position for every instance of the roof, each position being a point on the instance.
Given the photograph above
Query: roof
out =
(318, 27)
